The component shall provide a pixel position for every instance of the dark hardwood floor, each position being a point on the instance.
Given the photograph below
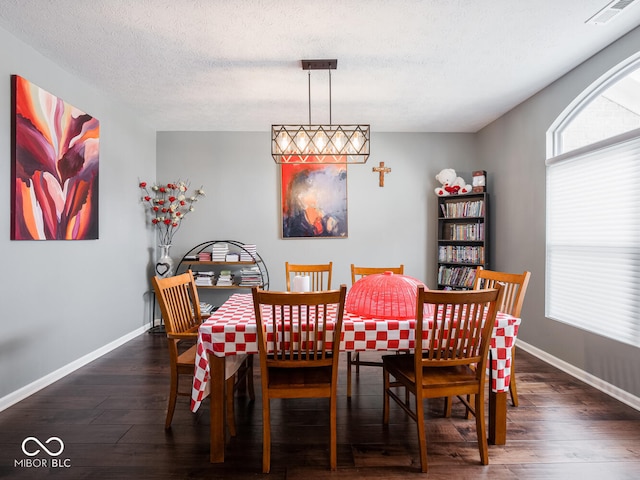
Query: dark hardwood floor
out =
(110, 416)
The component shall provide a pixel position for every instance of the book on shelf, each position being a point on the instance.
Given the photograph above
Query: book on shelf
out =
(224, 279)
(205, 309)
(219, 252)
(248, 254)
(462, 209)
(204, 256)
(203, 279)
(232, 257)
(250, 277)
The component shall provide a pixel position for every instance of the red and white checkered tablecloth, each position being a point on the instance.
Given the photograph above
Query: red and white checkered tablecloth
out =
(231, 330)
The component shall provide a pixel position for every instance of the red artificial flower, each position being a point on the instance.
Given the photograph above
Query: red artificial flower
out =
(174, 207)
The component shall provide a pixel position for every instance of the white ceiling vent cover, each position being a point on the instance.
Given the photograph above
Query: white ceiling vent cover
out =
(610, 11)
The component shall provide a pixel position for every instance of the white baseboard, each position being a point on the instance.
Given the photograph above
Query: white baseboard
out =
(33, 387)
(611, 390)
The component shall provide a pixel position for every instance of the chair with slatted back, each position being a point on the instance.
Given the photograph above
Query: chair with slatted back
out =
(353, 358)
(319, 275)
(306, 367)
(514, 286)
(450, 359)
(180, 307)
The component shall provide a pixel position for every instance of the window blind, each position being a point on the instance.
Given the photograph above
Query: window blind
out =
(593, 240)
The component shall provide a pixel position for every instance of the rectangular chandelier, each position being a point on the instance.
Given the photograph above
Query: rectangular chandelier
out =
(320, 143)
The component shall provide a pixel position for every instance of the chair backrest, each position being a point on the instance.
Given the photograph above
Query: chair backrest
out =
(514, 287)
(314, 319)
(179, 303)
(358, 272)
(319, 275)
(460, 332)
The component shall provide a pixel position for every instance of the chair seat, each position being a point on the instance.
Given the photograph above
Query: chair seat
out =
(302, 378)
(450, 378)
(187, 358)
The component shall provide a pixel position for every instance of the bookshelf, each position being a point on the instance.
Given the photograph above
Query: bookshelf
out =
(236, 259)
(463, 239)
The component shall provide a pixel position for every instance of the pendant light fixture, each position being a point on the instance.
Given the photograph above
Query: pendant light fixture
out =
(320, 143)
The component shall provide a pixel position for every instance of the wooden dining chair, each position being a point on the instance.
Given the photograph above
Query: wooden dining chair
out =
(306, 367)
(353, 358)
(319, 275)
(180, 307)
(450, 358)
(514, 288)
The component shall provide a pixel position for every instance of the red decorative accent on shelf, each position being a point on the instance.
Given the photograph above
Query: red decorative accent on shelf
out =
(384, 295)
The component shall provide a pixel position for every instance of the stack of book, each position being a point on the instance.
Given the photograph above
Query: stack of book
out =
(224, 279)
(219, 252)
(232, 257)
(250, 277)
(204, 256)
(205, 309)
(203, 279)
(249, 253)
(456, 276)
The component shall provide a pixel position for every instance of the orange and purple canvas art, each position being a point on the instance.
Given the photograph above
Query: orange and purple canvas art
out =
(55, 156)
(314, 200)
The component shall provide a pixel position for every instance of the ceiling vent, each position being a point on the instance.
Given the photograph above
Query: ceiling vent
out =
(610, 11)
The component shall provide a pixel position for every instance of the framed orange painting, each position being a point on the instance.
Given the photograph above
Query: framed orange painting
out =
(54, 169)
(314, 200)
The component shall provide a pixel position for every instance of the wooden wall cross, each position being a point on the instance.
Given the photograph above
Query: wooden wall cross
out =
(382, 170)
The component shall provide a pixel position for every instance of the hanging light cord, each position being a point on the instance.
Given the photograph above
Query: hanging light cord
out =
(309, 97)
(309, 82)
(330, 122)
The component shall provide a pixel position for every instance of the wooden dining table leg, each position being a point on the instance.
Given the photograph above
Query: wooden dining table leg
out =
(497, 412)
(217, 409)
(498, 417)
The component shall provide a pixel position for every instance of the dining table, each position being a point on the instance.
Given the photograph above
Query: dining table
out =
(229, 334)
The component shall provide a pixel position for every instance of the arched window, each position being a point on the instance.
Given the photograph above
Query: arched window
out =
(593, 209)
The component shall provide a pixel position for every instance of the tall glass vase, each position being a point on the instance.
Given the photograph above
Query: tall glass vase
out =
(164, 265)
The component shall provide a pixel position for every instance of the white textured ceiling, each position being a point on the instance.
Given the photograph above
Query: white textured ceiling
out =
(414, 66)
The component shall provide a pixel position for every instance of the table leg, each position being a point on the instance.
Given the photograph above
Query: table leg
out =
(217, 406)
(497, 418)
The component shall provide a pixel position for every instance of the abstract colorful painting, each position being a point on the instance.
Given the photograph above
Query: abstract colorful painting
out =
(314, 200)
(54, 170)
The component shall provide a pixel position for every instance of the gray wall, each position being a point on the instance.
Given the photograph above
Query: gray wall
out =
(513, 151)
(62, 300)
(388, 225)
